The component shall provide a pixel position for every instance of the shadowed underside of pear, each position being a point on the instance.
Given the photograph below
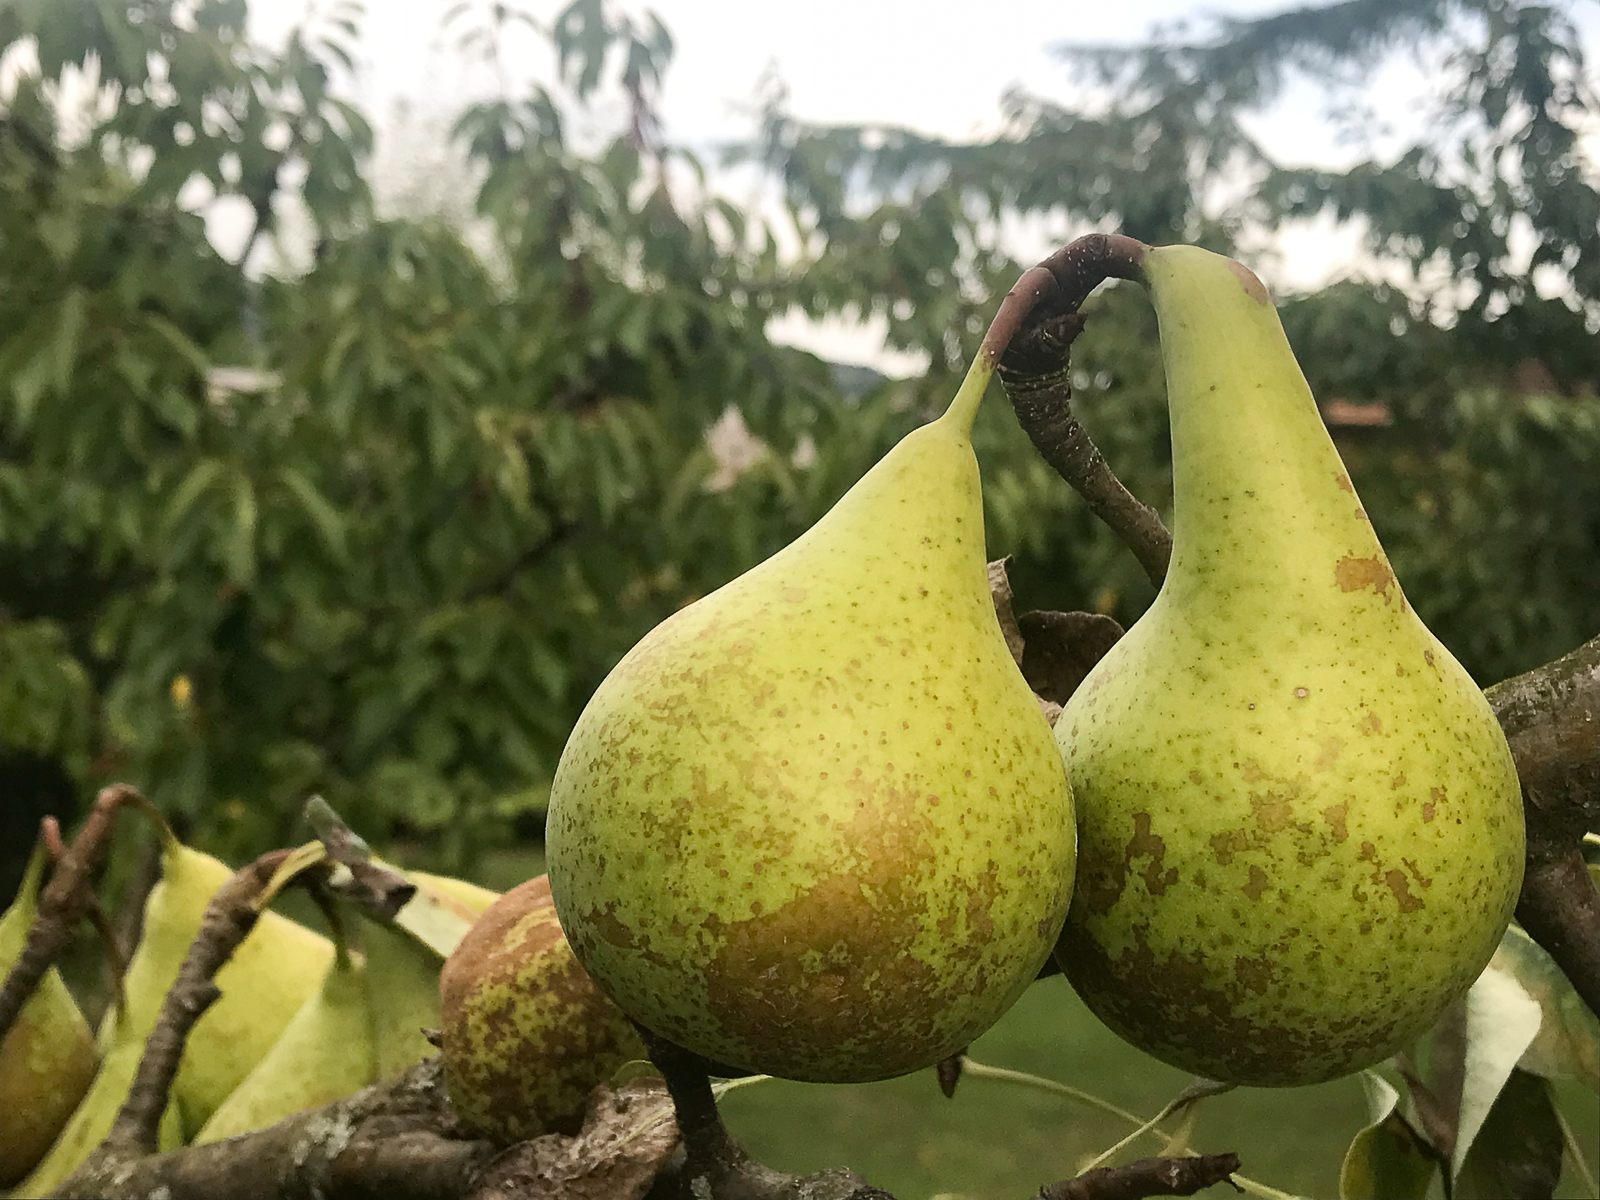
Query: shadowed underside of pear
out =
(814, 825)
(1301, 826)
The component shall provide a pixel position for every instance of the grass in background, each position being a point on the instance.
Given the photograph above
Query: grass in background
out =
(996, 1140)
(1002, 1141)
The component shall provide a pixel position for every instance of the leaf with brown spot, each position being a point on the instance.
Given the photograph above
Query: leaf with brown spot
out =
(1060, 649)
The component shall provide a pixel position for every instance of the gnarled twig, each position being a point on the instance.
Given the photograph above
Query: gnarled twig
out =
(1036, 372)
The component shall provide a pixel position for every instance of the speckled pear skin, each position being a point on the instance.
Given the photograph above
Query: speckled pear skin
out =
(1301, 828)
(814, 824)
(47, 1057)
(526, 1035)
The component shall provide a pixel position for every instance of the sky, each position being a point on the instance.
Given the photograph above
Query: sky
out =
(938, 66)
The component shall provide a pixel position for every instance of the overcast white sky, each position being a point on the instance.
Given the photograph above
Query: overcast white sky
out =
(937, 66)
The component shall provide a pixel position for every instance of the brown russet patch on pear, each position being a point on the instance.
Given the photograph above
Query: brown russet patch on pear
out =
(1358, 574)
(1251, 771)
(1257, 884)
(1199, 1012)
(1228, 843)
(1343, 480)
(1396, 879)
(1416, 872)
(1253, 287)
(1335, 815)
(835, 965)
(766, 995)
(1254, 973)
(1273, 812)
(1102, 878)
(1144, 844)
(603, 923)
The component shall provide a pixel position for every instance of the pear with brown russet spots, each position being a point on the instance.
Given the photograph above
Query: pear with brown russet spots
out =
(814, 825)
(1301, 826)
(526, 1035)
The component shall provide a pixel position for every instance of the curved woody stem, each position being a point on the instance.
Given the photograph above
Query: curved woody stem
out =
(1035, 368)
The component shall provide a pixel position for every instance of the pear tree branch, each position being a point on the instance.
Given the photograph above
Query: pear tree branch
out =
(1146, 1177)
(1036, 372)
(1551, 717)
(393, 1140)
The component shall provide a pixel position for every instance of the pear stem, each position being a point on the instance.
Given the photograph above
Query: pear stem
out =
(717, 1166)
(964, 408)
(1043, 282)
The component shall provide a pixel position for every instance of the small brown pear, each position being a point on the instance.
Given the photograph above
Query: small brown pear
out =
(526, 1033)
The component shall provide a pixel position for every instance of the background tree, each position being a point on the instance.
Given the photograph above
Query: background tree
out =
(468, 466)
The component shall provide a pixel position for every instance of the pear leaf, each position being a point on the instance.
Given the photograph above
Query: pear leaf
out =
(1385, 1160)
(436, 920)
(1502, 1020)
(1567, 1045)
(1060, 648)
(1000, 592)
(1516, 1154)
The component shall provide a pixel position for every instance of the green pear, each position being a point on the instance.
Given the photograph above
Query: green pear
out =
(1301, 829)
(525, 1034)
(325, 1052)
(363, 1024)
(47, 1059)
(814, 825)
(92, 1120)
(276, 969)
(402, 996)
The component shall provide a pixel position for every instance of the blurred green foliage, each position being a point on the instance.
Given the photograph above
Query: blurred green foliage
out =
(465, 466)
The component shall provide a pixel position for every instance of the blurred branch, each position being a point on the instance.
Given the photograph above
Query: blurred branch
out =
(1551, 717)
(1146, 1177)
(391, 1141)
(66, 899)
